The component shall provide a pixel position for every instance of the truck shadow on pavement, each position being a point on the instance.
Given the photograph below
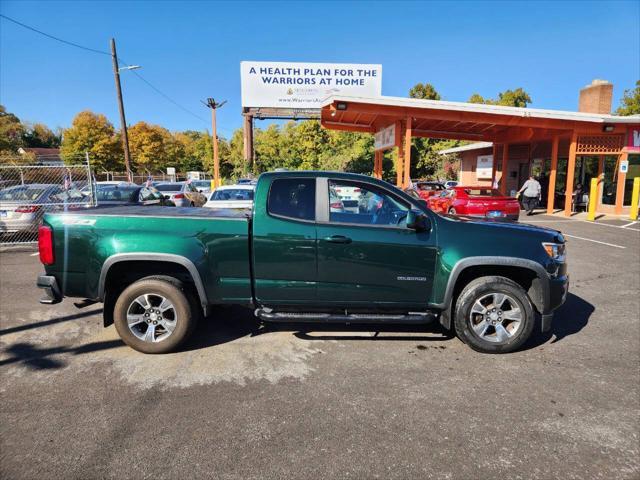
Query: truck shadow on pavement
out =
(227, 324)
(568, 320)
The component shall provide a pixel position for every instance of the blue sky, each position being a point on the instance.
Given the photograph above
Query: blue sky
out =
(192, 50)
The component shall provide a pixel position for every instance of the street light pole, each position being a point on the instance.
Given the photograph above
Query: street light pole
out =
(123, 121)
(211, 103)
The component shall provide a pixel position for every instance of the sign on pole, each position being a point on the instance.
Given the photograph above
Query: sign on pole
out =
(305, 85)
(484, 167)
(385, 138)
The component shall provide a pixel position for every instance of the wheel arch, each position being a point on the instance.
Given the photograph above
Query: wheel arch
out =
(152, 261)
(528, 274)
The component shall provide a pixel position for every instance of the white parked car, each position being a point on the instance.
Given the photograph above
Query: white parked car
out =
(350, 198)
(232, 196)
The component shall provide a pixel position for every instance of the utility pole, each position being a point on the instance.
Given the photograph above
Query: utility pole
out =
(123, 121)
(211, 103)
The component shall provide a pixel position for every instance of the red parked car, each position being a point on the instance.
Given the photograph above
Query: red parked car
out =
(476, 202)
(429, 189)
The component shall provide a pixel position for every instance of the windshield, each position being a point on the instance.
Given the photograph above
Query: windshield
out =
(20, 194)
(105, 194)
(232, 194)
(482, 192)
(170, 187)
(202, 183)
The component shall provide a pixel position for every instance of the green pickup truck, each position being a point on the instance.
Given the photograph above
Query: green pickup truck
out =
(306, 254)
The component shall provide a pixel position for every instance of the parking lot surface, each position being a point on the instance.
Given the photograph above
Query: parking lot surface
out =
(242, 401)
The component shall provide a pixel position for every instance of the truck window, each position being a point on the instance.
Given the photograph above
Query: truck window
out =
(357, 203)
(293, 198)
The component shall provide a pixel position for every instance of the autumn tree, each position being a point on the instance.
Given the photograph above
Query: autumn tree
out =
(39, 135)
(93, 133)
(11, 132)
(152, 147)
(630, 102)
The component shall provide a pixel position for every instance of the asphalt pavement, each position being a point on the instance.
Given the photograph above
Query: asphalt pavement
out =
(241, 402)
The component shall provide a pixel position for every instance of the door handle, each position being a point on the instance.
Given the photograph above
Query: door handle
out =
(337, 239)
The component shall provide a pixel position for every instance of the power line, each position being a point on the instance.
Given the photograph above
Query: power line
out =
(102, 52)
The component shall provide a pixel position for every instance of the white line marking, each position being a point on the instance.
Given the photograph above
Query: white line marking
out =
(35, 254)
(594, 241)
(629, 224)
(578, 220)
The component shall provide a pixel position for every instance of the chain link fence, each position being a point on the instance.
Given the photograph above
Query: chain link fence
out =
(27, 192)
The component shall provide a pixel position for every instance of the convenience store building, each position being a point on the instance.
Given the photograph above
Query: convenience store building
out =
(562, 148)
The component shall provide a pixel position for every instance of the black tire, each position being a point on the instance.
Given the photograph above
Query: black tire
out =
(452, 211)
(185, 311)
(483, 288)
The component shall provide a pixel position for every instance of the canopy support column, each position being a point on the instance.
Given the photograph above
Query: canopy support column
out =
(377, 164)
(400, 165)
(494, 164)
(571, 173)
(504, 176)
(551, 194)
(407, 154)
(622, 177)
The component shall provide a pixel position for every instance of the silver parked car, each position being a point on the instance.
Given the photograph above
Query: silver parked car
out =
(182, 194)
(23, 206)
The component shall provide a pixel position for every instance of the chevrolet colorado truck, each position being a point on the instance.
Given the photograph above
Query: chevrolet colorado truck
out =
(300, 256)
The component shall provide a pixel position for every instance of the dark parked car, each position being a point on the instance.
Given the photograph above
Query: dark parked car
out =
(129, 195)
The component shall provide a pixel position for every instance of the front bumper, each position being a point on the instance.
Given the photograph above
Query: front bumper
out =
(558, 291)
(50, 286)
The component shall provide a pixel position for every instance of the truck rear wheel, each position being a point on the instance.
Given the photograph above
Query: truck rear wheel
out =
(154, 315)
(494, 315)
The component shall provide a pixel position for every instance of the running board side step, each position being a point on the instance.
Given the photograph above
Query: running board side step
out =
(268, 315)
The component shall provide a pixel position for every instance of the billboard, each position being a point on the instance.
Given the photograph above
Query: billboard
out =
(305, 85)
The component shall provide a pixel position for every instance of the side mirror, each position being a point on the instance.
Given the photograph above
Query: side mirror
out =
(417, 221)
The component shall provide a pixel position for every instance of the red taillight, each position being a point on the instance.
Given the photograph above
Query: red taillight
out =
(179, 195)
(336, 205)
(27, 209)
(45, 245)
(357, 190)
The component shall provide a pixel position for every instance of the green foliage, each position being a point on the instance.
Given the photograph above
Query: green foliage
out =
(11, 132)
(508, 98)
(630, 102)
(39, 135)
(93, 133)
(424, 91)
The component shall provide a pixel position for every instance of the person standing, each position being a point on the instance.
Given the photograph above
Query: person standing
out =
(531, 191)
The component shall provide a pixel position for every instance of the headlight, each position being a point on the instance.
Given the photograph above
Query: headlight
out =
(555, 250)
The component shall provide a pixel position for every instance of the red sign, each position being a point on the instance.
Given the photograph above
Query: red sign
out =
(633, 140)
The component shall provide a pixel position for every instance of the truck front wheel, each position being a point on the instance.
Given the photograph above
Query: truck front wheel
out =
(494, 315)
(154, 315)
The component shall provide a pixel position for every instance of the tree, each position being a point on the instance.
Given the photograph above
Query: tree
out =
(424, 91)
(152, 147)
(11, 132)
(93, 133)
(630, 102)
(39, 135)
(508, 98)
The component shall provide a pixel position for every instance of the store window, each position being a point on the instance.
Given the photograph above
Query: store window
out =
(633, 172)
(610, 186)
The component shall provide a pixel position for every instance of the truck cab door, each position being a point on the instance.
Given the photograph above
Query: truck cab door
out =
(369, 258)
(284, 242)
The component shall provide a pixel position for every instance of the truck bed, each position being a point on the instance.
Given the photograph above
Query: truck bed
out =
(216, 242)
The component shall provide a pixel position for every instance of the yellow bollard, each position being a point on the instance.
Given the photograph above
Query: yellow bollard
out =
(635, 196)
(593, 196)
